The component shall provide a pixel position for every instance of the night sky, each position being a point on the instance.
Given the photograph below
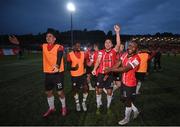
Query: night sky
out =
(134, 16)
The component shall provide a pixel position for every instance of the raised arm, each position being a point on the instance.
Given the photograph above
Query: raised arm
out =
(13, 39)
(118, 39)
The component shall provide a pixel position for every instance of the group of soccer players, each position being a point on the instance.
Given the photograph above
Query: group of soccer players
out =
(111, 69)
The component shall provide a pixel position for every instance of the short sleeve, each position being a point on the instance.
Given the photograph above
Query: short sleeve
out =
(134, 63)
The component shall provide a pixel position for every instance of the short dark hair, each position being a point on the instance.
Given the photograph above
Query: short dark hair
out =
(135, 43)
(52, 31)
(109, 38)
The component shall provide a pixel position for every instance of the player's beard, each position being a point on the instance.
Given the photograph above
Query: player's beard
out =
(131, 53)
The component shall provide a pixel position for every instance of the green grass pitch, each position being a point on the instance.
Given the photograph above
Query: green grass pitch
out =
(23, 100)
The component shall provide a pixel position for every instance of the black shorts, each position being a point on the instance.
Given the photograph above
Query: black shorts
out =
(117, 76)
(108, 84)
(93, 80)
(79, 81)
(89, 69)
(140, 76)
(54, 80)
(128, 92)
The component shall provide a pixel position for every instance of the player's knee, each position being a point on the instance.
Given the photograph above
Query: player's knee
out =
(85, 89)
(61, 94)
(128, 102)
(109, 92)
(49, 93)
(118, 83)
(99, 91)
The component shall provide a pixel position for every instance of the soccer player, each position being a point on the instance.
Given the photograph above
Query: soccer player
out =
(106, 58)
(117, 76)
(89, 62)
(129, 64)
(94, 77)
(76, 64)
(142, 70)
(95, 56)
(53, 68)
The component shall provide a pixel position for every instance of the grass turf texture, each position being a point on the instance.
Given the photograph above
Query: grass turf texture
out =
(23, 100)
